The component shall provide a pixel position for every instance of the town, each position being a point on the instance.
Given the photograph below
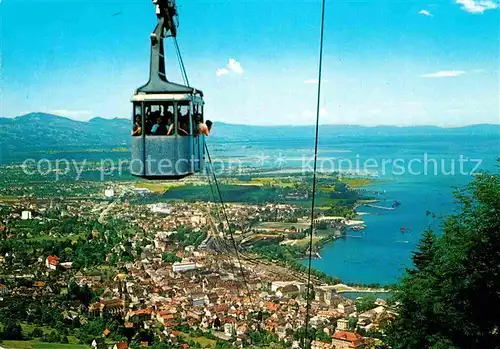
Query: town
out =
(118, 271)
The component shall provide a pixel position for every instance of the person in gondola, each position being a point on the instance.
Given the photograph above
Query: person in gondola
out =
(184, 125)
(203, 128)
(159, 129)
(137, 130)
(183, 129)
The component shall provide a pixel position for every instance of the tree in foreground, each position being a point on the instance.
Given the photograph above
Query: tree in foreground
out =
(450, 299)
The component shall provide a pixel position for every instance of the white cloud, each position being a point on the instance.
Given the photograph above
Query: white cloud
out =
(478, 6)
(233, 66)
(444, 74)
(221, 71)
(425, 13)
(314, 81)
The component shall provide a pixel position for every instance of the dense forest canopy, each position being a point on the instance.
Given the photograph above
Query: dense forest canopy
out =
(450, 298)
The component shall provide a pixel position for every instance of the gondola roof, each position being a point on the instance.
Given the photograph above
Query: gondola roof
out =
(159, 86)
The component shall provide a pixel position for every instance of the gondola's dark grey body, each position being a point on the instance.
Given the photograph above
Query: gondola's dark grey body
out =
(176, 155)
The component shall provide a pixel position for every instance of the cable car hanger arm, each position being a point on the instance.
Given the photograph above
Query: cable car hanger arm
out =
(166, 12)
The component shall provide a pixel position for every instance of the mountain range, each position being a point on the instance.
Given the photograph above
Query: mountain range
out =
(40, 131)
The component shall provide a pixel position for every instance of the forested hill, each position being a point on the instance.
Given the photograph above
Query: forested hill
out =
(40, 131)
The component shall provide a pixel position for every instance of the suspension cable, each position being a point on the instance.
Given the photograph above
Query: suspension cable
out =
(186, 81)
(213, 195)
(320, 73)
(223, 240)
(181, 62)
(228, 224)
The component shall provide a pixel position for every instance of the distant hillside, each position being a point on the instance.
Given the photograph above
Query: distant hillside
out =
(326, 131)
(39, 131)
(45, 131)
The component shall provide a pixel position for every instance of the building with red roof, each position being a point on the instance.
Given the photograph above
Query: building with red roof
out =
(347, 340)
(52, 262)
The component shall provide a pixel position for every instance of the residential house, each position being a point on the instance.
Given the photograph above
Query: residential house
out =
(319, 295)
(275, 285)
(66, 265)
(195, 314)
(211, 298)
(113, 307)
(373, 313)
(121, 345)
(140, 314)
(288, 291)
(164, 317)
(329, 314)
(342, 324)
(179, 267)
(347, 340)
(199, 301)
(51, 262)
(346, 308)
(330, 296)
(229, 329)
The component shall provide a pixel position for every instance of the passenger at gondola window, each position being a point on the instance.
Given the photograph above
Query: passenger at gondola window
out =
(159, 129)
(203, 128)
(137, 129)
(183, 121)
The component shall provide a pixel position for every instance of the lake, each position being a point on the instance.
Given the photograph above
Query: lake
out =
(421, 173)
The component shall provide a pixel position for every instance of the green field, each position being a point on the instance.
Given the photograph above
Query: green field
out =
(282, 225)
(35, 344)
(203, 341)
(28, 328)
(265, 181)
(355, 182)
(304, 243)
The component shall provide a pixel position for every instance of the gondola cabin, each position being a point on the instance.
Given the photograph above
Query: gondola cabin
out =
(165, 140)
(166, 115)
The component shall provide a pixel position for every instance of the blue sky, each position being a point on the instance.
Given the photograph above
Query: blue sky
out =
(391, 62)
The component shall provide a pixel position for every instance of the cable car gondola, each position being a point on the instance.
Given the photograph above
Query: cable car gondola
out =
(165, 140)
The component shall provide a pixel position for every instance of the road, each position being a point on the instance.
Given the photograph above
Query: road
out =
(103, 214)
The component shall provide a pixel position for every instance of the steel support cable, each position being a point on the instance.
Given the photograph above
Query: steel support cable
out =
(224, 241)
(229, 248)
(186, 81)
(217, 211)
(320, 73)
(181, 62)
(214, 200)
(180, 66)
(228, 224)
(183, 70)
